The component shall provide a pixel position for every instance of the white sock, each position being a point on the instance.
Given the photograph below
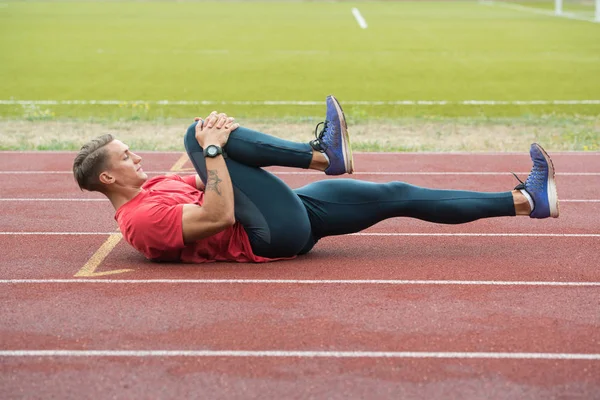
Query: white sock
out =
(528, 197)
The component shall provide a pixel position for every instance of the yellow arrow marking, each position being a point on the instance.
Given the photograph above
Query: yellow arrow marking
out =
(179, 164)
(89, 269)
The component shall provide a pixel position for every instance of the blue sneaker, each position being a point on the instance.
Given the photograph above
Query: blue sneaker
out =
(333, 140)
(540, 184)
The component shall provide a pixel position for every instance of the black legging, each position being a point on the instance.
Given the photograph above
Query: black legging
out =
(282, 222)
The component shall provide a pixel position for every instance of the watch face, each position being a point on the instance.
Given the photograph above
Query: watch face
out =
(212, 151)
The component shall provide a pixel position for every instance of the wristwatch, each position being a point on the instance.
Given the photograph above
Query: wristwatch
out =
(212, 151)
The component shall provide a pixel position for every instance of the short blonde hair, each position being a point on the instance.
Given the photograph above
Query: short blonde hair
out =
(90, 162)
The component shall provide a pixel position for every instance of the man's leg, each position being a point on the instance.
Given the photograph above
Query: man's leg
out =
(256, 149)
(342, 206)
(329, 152)
(264, 205)
(273, 216)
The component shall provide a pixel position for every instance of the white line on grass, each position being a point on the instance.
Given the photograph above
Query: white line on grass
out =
(548, 13)
(396, 282)
(26, 199)
(301, 102)
(359, 18)
(320, 173)
(578, 235)
(297, 354)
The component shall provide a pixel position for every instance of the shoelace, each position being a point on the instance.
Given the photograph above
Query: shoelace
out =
(521, 185)
(533, 181)
(319, 136)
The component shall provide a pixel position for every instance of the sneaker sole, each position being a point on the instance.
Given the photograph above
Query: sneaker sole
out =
(552, 192)
(346, 147)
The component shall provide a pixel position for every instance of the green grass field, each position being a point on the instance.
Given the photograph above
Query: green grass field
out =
(292, 51)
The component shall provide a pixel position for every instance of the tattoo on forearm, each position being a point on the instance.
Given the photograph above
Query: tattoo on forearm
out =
(212, 183)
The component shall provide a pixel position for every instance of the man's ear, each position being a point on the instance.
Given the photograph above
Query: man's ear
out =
(106, 178)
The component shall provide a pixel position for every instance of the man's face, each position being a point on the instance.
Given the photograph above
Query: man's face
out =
(124, 167)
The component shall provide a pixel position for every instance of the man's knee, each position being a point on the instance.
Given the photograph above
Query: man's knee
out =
(189, 141)
(194, 151)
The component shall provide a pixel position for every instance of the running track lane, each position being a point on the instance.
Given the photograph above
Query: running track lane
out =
(291, 317)
(64, 216)
(63, 185)
(294, 378)
(377, 162)
(492, 318)
(353, 257)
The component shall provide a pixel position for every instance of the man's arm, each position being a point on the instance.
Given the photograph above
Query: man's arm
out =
(217, 212)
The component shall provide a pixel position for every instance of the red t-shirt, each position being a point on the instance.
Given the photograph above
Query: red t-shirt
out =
(152, 223)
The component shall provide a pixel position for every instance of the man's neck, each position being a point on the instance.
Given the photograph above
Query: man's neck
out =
(121, 196)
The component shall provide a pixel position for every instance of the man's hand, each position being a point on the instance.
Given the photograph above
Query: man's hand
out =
(215, 129)
(229, 120)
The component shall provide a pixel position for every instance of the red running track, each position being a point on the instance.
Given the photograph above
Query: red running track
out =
(409, 324)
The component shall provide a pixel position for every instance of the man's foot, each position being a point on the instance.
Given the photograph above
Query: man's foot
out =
(333, 140)
(540, 184)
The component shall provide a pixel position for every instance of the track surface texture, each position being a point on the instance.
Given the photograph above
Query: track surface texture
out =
(499, 309)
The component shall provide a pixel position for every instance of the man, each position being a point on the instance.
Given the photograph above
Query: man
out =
(234, 210)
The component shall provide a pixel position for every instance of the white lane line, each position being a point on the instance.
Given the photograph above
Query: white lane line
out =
(579, 235)
(300, 282)
(73, 152)
(468, 153)
(384, 153)
(48, 172)
(481, 234)
(57, 233)
(57, 199)
(304, 103)
(54, 199)
(533, 10)
(383, 173)
(416, 173)
(359, 18)
(297, 354)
